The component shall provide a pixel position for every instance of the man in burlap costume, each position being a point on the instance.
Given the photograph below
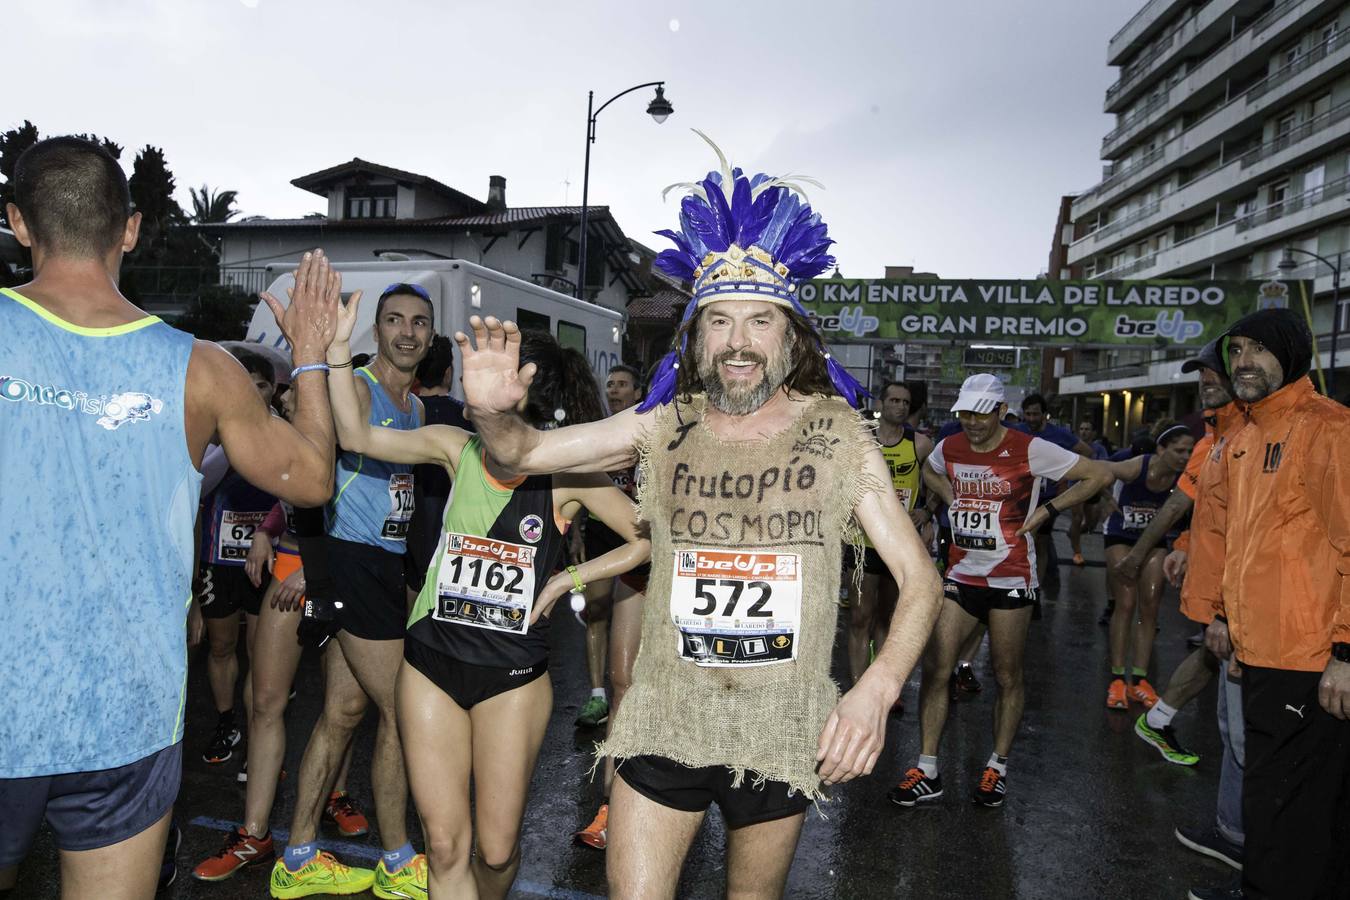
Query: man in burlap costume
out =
(752, 471)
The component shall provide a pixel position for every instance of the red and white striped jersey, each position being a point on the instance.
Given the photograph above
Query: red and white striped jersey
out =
(995, 493)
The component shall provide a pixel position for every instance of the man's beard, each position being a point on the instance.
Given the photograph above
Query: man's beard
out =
(1250, 392)
(742, 399)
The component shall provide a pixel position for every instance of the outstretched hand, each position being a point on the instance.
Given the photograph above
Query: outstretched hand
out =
(493, 379)
(310, 321)
(346, 318)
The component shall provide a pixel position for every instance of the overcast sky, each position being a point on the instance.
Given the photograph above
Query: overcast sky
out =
(944, 132)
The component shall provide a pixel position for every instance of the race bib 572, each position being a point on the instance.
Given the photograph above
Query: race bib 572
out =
(736, 608)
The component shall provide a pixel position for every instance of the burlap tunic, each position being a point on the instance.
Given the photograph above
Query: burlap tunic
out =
(794, 493)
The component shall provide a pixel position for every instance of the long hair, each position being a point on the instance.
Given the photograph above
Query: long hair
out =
(808, 375)
(563, 381)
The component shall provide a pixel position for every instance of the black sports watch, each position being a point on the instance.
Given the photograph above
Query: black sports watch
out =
(1340, 651)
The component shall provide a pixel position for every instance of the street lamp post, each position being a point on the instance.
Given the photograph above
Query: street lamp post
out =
(659, 109)
(1286, 265)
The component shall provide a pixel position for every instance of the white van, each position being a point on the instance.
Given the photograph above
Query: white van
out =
(460, 289)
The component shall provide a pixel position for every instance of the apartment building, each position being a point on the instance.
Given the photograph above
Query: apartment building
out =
(1230, 145)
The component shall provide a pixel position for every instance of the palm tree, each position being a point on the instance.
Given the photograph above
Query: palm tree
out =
(212, 206)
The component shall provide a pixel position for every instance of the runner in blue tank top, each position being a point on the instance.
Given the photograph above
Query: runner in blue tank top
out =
(92, 628)
(367, 525)
(1142, 487)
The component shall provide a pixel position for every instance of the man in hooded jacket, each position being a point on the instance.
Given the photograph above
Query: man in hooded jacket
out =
(1282, 519)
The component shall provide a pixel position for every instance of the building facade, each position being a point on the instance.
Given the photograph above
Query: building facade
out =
(1231, 144)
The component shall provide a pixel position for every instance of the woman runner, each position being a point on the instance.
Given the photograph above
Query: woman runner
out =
(471, 696)
(1142, 486)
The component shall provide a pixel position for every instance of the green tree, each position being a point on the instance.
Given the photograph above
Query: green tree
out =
(152, 185)
(212, 206)
(219, 313)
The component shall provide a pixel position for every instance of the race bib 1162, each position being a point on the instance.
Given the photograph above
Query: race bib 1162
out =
(485, 583)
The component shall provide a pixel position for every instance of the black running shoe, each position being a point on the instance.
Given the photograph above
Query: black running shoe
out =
(966, 680)
(991, 789)
(1209, 842)
(222, 743)
(1225, 892)
(916, 788)
(168, 869)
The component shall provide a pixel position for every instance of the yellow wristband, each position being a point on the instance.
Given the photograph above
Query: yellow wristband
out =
(578, 586)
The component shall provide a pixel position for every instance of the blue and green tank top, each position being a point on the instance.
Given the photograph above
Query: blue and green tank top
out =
(373, 500)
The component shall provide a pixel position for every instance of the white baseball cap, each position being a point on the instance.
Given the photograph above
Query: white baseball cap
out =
(980, 394)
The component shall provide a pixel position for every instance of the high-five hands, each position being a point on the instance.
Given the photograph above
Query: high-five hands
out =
(309, 322)
(493, 379)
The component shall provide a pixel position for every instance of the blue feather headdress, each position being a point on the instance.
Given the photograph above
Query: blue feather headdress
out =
(745, 238)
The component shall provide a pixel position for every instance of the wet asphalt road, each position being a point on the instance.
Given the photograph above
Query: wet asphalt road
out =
(1090, 807)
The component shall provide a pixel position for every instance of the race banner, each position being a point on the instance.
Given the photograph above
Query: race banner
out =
(1037, 312)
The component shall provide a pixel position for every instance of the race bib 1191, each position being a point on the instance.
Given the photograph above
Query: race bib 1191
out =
(736, 608)
(975, 523)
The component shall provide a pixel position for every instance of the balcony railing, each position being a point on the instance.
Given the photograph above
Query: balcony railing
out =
(1271, 15)
(1142, 212)
(1140, 67)
(1284, 73)
(1136, 117)
(1127, 269)
(1321, 51)
(1282, 208)
(1300, 132)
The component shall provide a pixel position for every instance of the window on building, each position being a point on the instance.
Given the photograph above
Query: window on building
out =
(1321, 105)
(372, 202)
(1329, 35)
(1291, 54)
(1278, 192)
(1285, 124)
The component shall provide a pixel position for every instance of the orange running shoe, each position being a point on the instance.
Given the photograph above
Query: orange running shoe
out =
(241, 849)
(594, 834)
(1143, 692)
(1115, 695)
(343, 812)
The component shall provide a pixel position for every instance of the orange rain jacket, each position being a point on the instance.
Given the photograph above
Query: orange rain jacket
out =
(1282, 515)
(1204, 552)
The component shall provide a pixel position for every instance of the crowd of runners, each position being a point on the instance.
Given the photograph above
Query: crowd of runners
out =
(706, 518)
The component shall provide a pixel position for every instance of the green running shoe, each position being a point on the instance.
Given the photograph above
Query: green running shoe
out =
(321, 875)
(407, 883)
(1165, 740)
(595, 713)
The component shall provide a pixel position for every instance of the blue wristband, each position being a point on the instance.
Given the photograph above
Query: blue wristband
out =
(313, 367)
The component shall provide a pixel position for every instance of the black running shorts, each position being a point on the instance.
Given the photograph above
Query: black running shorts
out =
(871, 561)
(371, 588)
(978, 600)
(677, 786)
(466, 684)
(224, 590)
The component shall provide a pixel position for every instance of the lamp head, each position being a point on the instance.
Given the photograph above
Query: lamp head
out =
(660, 109)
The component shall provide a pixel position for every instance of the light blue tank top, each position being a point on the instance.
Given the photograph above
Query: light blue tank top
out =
(373, 500)
(96, 547)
